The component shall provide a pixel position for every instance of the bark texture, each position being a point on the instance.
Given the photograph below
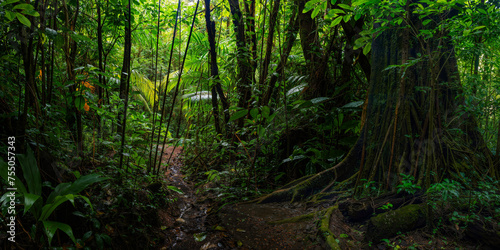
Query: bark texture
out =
(414, 123)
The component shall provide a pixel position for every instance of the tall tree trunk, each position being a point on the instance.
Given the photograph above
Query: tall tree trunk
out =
(245, 72)
(269, 43)
(74, 116)
(125, 71)
(29, 86)
(316, 62)
(421, 116)
(291, 35)
(125, 79)
(252, 35)
(100, 51)
(414, 124)
(214, 72)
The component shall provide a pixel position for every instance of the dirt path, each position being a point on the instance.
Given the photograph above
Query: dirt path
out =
(196, 221)
(193, 222)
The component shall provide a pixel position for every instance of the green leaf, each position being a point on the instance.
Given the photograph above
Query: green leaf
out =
(75, 187)
(261, 131)
(31, 172)
(175, 189)
(29, 200)
(10, 15)
(254, 112)
(351, 105)
(425, 22)
(52, 226)
(31, 13)
(79, 102)
(479, 27)
(367, 48)
(344, 6)
(347, 18)
(23, 6)
(336, 21)
(482, 11)
(319, 100)
(60, 189)
(265, 111)
(357, 16)
(238, 114)
(86, 200)
(83, 182)
(359, 2)
(200, 236)
(9, 2)
(315, 12)
(336, 11)
(49, 208)
(23, 20)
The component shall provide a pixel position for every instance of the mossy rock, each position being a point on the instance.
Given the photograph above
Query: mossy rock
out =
(389, 224)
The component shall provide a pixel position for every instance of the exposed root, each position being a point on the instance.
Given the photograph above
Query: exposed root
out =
(325, 228)
(301, 189)
(318, 183)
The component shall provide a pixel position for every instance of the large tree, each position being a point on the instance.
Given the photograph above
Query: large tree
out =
(414, 121)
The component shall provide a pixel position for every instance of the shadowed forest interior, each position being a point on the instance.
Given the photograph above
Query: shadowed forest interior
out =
(250, 124)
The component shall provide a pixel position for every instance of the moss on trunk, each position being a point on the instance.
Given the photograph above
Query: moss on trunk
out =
(402, 220)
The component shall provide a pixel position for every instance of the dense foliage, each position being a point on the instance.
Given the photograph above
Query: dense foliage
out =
(256, 93)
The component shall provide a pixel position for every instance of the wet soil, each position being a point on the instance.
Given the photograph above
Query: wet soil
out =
(195, 220)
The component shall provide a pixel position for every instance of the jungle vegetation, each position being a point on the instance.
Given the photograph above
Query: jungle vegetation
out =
(270, 101)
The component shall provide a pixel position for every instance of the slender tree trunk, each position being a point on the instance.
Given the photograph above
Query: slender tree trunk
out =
(125, 79)
(74, 117)
(214, 72)
(100, 51)
(52, 55)
(293, 27)
(245, 71)
(269, 44)
(125, 71)
(252, 35)
(29, 86)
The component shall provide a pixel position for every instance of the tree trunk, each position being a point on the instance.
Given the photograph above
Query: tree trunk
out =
(316, 62)
(214, 72)
(101, 79)
(125, 71)
(414, 124)
(245, 71)
(74, 117)
(125, 80)
(269, 44)
(293, 26)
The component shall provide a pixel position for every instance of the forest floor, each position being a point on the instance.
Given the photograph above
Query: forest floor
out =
(196, 220)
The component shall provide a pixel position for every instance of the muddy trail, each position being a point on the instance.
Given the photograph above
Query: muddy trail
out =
(193, 221)
(196, 220)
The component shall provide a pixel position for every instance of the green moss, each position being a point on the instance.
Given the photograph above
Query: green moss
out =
(401, 220)
(325, 229)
